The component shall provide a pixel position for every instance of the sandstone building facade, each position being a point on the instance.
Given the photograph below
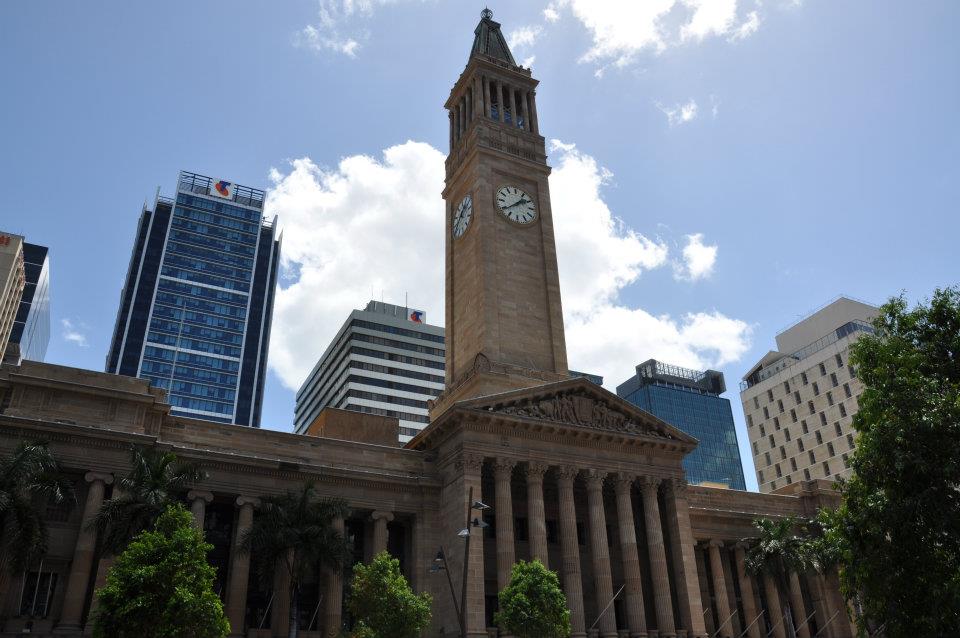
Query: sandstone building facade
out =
(576, 476)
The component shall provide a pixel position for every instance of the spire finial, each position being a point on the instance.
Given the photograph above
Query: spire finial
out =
(486, 14)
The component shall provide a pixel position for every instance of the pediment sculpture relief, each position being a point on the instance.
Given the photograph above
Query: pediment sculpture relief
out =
(579, 409)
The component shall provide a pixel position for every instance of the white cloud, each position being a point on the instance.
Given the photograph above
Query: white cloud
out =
(710, 17)
(680, 113)
(336, 27)
(372, 224)
(327, 39)
(74, 332)
(748, 27)
(698, 259)
(528, 61)
(523, 36)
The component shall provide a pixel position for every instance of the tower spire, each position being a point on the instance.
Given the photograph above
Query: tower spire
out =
(488, 39)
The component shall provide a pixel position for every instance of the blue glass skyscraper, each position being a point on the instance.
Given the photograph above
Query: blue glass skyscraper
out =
(690, 400)
(195, 311)
(30, 335)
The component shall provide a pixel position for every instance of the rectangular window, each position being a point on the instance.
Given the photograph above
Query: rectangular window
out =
(830, 450)
(834, 380)
(839, 361)
(826, 469)
(852, 371)
(777, 468)
(756, 450)
(783, 453)
(780, 405)
(843, 410)
(789, 480)
(786, 387)
(773, 485)
(793, 415)
(793, 464)
(803, 426)
(760, 475)
(800, 444)
(766, 456)
(846, 390)
(816, 389)
(850, 441)
(772, 444)
(829, 397)
(796, 398)
(803, 377)
(37, 594)
(823, 370)
(823, 418)
(846, 461)
(813, 457)
(811, 408)
(756, 402)
(786, 434)
(806, 475)
(776, 423)
(836, 426)
(749, 421)
(819, 437)
(763, 431)
(770, 395)
(766, 412)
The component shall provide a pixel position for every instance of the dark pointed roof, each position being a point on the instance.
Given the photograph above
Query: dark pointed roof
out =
(488, 39)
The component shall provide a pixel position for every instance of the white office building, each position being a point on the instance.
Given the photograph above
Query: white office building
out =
(384, 360)
(799, 400)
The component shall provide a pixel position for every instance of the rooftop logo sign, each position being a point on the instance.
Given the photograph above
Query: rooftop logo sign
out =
(417, 316)
(222, 188)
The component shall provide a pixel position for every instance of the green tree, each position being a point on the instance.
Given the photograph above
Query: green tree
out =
(898, 528)
(30, 476)
(156, 480)
(780, 547)
(294, 532)
(162, 586)
(383, 604)
(532, 605)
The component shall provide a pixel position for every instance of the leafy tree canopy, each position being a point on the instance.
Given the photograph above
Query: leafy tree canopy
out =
(383, 603)
(532, 604)
(30, 473)
(162, 586)
(898, 529)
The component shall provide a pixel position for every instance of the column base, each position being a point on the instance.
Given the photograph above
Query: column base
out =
(639, 634)
(68, 630)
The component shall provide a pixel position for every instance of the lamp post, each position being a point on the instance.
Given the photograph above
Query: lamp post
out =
(440, 562)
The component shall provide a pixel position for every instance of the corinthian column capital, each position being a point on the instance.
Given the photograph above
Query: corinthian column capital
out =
(595, 479)
(567, 473)
(503, 468)
(535, 470)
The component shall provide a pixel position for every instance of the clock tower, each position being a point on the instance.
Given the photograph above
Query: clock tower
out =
(503, 314)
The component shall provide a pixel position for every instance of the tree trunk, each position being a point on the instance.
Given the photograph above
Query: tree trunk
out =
(294, 610)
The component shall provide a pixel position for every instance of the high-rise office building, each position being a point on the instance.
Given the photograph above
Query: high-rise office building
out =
(690, 400)
(30, 335)
(799, 400)
(384, 360)
(196, 308)
(12, 283)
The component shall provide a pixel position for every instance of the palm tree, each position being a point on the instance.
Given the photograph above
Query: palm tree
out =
(27, 478)
(294, 532)
(780, 548)
(155, 481)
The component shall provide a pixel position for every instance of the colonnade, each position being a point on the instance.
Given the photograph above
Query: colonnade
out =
(679, 538)
(495, 99)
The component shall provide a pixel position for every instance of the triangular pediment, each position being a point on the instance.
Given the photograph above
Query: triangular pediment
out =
(580, 403)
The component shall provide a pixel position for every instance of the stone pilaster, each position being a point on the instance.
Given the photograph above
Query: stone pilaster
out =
(797, 608)
(600, 553)
(724, 616)
(198, 506)
(280, 608)
(774, 611)
(500, 102)
(570, 546)
(506, 555)
(486, 96)
(535, 127)
(683, 548)
(632, 580)
(333, 607)
(658, 558)
(471, 467)
(79, 578)
(380, 532)
(746, 593)
(240, 567)
(535, 515)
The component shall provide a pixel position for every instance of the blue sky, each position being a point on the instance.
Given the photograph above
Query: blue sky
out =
(722, 167)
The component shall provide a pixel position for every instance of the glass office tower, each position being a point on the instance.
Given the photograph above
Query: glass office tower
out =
(690, 401)
(195, 311)
(30, 335)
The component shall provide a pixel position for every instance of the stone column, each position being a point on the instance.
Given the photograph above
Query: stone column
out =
(724, 624)
(380, 532)
(633, 582)
(534, 125)
(513, 106)
(503, 506)
(683, 548)
(239, 568)
(522, 111)
(477, 97)
(746, 593)
(536, 518)
(452, 137)
(570, 545)
(198, 506)
(77, 581)
(658, 557)
(486, 96)
(280, 608)
(600, 553)
(774, 610)
(333, 608)
(500, 117)
(797, 609)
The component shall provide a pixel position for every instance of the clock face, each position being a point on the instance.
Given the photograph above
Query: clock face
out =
(516, 205)
(462, 217)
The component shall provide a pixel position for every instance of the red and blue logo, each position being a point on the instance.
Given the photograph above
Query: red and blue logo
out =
(416, 316)
(223, 187)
